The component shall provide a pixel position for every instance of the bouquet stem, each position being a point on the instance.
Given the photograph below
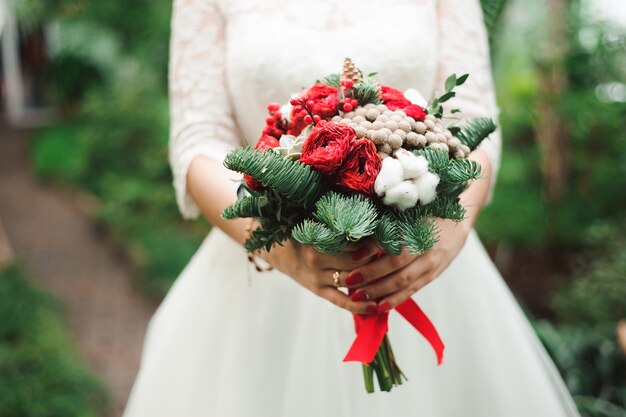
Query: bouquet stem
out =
(385, 367)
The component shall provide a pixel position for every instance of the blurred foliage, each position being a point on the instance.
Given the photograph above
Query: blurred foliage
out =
(592, 365)
(41, 373)
(597, 294)
(519, 213)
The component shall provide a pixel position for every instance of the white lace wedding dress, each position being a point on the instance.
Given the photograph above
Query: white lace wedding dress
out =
(230, 342)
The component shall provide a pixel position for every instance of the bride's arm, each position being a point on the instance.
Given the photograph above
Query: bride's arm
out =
(203, 130)
(463, 49)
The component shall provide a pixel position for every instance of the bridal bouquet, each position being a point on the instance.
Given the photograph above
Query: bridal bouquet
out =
(350, 159)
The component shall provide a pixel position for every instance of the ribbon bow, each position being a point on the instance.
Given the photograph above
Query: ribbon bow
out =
(371, 329)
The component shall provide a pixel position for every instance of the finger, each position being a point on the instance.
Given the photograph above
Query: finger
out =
(346, 261)
(395, 299)
(343, 301)
(396, 281)
(377, 269)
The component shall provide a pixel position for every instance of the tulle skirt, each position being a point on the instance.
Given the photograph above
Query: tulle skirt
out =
(230, 342)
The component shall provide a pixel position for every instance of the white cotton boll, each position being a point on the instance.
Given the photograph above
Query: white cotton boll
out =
(415, 97)
(390, 174)
(403, 195)
(414, 166)
(427, 187)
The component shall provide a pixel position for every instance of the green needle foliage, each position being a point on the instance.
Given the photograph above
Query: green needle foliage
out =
(354, 216)
(367, 93)
(296, 181)
(419, 233)
(389, 235)
(251, 206)
(473, 131)
(461, 171)
(320, 236)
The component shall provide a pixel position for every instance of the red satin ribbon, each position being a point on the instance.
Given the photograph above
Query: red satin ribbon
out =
(371, 329)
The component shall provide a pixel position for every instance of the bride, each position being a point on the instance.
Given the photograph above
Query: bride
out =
(231, 341)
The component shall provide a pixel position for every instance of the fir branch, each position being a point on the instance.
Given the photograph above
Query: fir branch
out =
(353, 216)
(388, 234)
(461, 171)
(419, 233)
(474, 131)
(291, 178)
(438, 160)
(264, 237)
(250, 206)
(367, 93)
(319, 236)
(332, 80)
(444, 208)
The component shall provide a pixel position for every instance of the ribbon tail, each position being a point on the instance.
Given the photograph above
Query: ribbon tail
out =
(371, 330)
(414, 315)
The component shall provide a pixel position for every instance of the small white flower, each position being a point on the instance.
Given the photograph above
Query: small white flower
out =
(391, 173)
(414, 166)
(285, 110)
(415, 97)
(403, 195)
(427, 187)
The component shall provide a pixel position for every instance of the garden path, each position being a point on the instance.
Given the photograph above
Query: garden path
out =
(106, 314)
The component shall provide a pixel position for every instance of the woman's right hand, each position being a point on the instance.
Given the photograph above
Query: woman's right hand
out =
(314, 270)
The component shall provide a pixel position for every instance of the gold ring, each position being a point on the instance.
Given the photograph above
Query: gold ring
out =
(336, 281)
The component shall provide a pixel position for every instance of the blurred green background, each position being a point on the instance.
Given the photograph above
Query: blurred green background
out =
(556, 227)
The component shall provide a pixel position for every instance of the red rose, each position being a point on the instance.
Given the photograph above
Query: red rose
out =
(325, 102)
(394, 100)
(327, 146)
(264, 143)
(361, 167)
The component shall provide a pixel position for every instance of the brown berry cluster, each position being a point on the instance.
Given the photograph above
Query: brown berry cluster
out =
(393, 129)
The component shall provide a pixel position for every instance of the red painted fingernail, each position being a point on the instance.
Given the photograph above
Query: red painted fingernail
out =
(378, 255)
(360, 253)
(354, 279)
(359, 295)
(372, 309)
(383, 308)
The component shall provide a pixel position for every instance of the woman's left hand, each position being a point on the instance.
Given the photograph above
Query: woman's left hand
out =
(393, 279)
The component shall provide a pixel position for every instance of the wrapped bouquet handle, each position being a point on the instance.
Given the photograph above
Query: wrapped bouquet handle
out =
(350, 159)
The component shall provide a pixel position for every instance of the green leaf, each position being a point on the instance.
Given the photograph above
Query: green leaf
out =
(455, 111)
(447, 96)
(462, 79)
(450, 82)
(372, 74)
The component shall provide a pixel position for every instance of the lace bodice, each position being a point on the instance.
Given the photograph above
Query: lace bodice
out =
(229, 58)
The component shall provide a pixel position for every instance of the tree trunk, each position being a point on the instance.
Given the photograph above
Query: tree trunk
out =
(551, 130)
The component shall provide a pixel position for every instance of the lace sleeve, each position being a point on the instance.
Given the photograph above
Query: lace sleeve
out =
(201, 113)
(464, 49)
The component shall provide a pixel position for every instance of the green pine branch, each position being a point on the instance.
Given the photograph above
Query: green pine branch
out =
(419, 233)
(389, 235)
(320, 236)
(366, 93)
(438, 160)
(332, 80)
(266, 237)
(474, 131)
(291, 178)
(461, 171)
(444, 208)
(250, 206)
(354, 216)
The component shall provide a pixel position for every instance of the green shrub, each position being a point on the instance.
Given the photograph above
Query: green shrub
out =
(41, 373)
(57, 154)
(592, 365)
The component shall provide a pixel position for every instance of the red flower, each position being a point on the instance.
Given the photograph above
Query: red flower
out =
(327, 146)
(394, 100)
(324, 100)
(265, 142)
(361, 167)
